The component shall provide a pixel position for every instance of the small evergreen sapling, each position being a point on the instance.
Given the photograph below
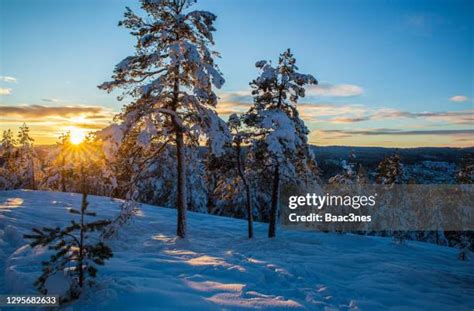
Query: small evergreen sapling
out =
(74, 251)
(464, 248)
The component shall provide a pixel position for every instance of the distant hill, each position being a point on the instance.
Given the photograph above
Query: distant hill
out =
(445, 159)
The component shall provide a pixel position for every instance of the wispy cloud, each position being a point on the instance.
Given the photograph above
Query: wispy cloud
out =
(227, 108)
(349, 120)
(236, 96)
(356, 113)
(5, 91)
(319, 111)
(39, 111)
(8, 79)
(423, 24)
(48, 122)
(459, 98)
(393, 137)
(240, 101)
(338, 90)
(320, 90)
(377, 132)
(455, 117)
(50, 100)
(308, 111)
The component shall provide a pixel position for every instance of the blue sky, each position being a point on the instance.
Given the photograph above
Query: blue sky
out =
(402, 66)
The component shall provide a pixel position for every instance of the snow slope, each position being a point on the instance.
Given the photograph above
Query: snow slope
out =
(218, 268)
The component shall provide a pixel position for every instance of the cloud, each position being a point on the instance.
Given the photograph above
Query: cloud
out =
(349, 120)
(454, 117)
(236, 96)
(398, 132)
(39, 111)
(228, 108)
(422, 24)
(338, 90)
(50, 100)
(47, 122)
(309, 112)
(8, 79)
(335, 114)
(459, 98)
(393, 137)
(324, 89)
(321, 111)
(5, 91)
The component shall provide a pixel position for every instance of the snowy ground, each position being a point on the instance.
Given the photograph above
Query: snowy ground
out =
(217, 268)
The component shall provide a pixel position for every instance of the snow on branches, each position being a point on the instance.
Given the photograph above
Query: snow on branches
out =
(274, 117)
(171, 78)
(274, 114)
(172, 73)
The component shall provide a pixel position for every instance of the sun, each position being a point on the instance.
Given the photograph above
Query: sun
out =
(77, 136)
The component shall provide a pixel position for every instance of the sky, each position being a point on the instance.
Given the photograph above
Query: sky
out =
(391, 73)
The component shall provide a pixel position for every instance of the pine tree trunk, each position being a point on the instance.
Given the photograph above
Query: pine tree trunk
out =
(181, 199)
(63, 176)
(181, 163)
(275, 187)
(248, 195)
(80, 261)
(249, 211)
(33, 179)
(275, 201)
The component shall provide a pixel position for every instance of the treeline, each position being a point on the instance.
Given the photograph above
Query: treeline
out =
(238, 183)
(22, 166)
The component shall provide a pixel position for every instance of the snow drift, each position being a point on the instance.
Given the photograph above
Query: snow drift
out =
(217, 267)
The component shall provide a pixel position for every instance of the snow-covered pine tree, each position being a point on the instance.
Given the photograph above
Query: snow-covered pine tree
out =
(276, 92)
(362, 177)
(229, 172)
(239, 137)
(59, 170)
(143, 172)
(101, 179)
(122, 153)
(8, 173)
(27, 162)
(62, 162)
(171, 78)
(196, 181)
(224, 186)
(390, 171)
(348, 175)
(73, 248)
(465, 175)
